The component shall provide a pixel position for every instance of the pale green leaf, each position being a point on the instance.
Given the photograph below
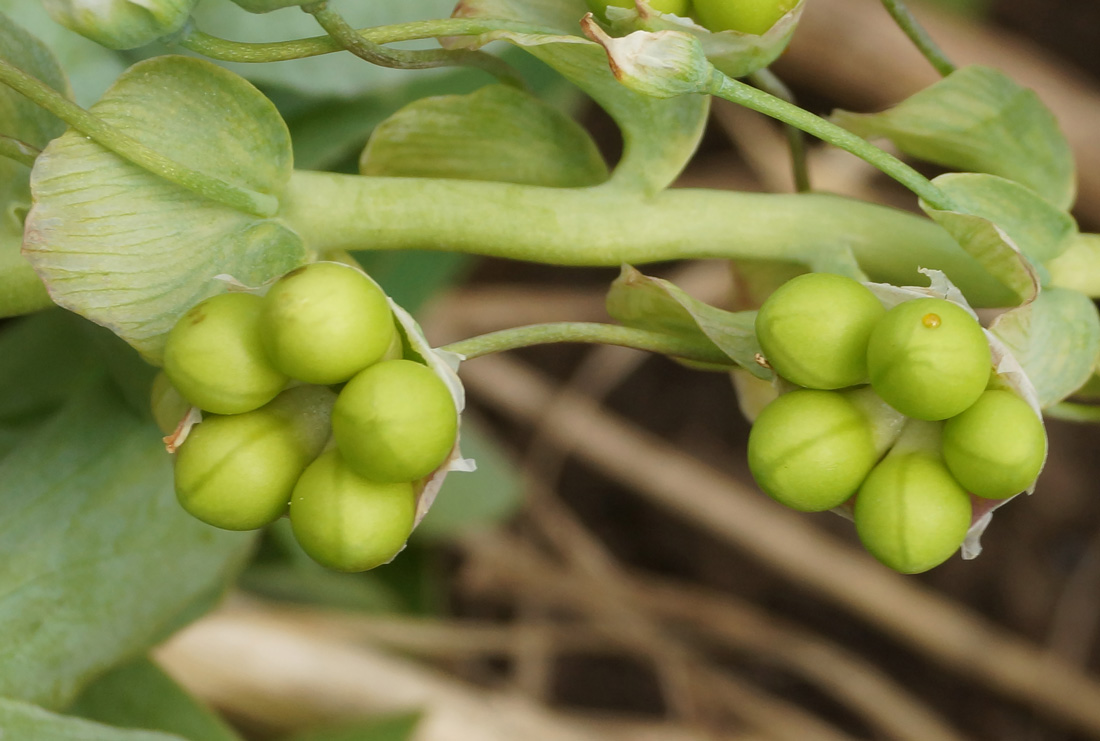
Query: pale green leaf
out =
(21, 290)
(659, 136)
(980, 120)
(139, 694)
(497, 133)
(21, 721)
(654, 304)
(1038, 229)
(1079, 266)
(482, 499)
(1056, 338)
(97, 559)
(132, 251)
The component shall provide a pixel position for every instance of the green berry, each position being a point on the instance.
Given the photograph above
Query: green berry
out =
(814, 330)
(395, 421)
(237, 472)
(910, 513)
(347, 522)
(325, 322)
(746, 16)
(996, 447)
(929, 359)
(678, 7)
(215, 358)
(169, 407)
(810, 450)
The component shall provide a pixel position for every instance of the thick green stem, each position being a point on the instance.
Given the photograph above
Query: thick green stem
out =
(758, 100)
(920, 38)
(1069, 411)
(340, 30)
(243, 199)
(280, 51)
(588, 332)
(605, 226)
(17, 150)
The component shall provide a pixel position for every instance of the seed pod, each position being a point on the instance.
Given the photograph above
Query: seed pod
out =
(395, 421)
(121, 24)
(215, 358)
(996, 447)
(325, 322)
(347, 522)
(929, 359)
(746, 16)
(237, 472)
(815, 328)
(810, 450)
(910, 513)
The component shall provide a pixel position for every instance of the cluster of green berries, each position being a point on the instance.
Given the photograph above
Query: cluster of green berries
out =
(746, 16)
(309, 409)
(928, 364)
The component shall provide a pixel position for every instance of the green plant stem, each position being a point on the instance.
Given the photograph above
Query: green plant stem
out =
(345, 35)
(19, 151)
(280, 51)
(766, 80)
(758, 100)
(920, 38)
(588, 332)
(1073, 412)
(107, 136)
(607, 226)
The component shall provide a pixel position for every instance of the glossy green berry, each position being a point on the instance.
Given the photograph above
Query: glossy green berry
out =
(168, 405)
(325, 322)
(746, 16)
(677, 7)
(395, 421)
(237, 472)
(121, 24)
(347, 522)
(814, 330)
(810, 450)
(910, 513)
(996, 447)
(215, 358)
(929, 359)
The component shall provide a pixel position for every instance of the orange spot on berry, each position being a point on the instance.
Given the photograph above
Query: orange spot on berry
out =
(930, 320)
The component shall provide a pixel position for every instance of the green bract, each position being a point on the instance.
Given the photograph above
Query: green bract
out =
(121, 24)
(237, 472)
(325, 322)
(395, 421)
(811, 450)
(929, 359)
(747, 16)
(678, 7)
(910, 513)
(814, 330)
(215, 358)
(347, 522)
(169, 407)
(996, 447)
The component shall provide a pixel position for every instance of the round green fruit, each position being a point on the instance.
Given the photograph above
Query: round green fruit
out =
(929, 359)
(810, 450)
(325, 322)
(910, 513)
(995, 448)
(237, 472)
(395, 421)
(347, 522)
(746, 16)
(216, 360)
(677, 7)
(815, 328)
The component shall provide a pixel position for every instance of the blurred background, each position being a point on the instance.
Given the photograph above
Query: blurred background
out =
(611, 572)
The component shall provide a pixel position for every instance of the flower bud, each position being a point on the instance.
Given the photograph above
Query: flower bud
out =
(121, 24)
